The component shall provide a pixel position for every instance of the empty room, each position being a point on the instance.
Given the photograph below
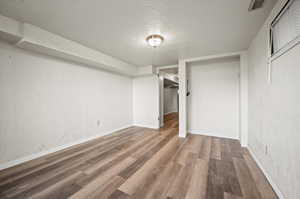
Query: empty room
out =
(149, 99)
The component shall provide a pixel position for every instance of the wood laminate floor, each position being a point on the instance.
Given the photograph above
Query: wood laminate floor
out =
(140, 163)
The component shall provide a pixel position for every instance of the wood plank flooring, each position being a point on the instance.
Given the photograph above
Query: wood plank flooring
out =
(140, 163)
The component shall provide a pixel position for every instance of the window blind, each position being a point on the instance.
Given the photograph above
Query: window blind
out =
(287, 27)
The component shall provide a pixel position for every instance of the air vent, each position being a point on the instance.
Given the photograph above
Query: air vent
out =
(255, 4)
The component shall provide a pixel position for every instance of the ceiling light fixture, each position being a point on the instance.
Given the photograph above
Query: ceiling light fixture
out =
(154, 40)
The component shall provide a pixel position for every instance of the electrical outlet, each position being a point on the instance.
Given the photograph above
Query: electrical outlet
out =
(266, 150)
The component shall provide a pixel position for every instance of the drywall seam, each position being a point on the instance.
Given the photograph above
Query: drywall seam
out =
(43, 153)
(272, 183)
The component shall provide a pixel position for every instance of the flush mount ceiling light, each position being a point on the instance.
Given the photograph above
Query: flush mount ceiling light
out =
(154, 40)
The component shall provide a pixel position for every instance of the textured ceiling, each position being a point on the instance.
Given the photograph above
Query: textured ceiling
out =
(119, 27)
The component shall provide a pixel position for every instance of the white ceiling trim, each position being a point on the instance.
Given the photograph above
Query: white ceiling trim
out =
(218, 56)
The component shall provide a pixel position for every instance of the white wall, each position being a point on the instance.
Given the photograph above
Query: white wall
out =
(213, 105)
(244, 99)
(274, 113)
(170, 100)
(146, 101)
(47, 103)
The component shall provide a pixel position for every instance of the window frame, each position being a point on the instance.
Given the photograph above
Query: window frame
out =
(289, 45)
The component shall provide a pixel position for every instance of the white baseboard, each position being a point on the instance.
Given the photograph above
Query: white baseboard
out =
(272, 183)
(209, 133)
(43, 153)
(146, 126)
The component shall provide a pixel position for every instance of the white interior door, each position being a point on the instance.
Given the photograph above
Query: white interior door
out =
(146, 101)
(213, 105)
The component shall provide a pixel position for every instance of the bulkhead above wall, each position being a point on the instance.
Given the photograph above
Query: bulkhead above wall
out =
(30, 37)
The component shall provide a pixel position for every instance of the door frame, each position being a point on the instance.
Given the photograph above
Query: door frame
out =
(161, 91)
(243, 85)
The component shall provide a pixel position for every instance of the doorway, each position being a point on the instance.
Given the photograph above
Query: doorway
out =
(169, 98)
(213, 103)
(184, 91)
